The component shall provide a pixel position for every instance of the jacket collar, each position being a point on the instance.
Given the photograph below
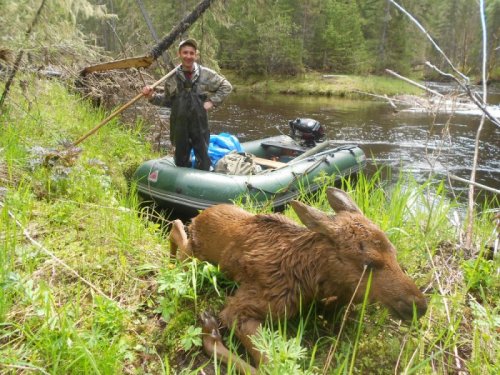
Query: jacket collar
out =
(194, 77)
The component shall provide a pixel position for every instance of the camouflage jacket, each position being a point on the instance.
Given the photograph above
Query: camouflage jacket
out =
(208, 84)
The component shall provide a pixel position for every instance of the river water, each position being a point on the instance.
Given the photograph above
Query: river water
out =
(421, 143)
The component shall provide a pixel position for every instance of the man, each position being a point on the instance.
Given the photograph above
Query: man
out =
(191, 92)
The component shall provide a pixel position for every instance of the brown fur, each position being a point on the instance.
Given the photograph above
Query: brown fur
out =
(280, 265)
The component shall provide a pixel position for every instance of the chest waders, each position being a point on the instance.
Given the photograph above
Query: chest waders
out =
(189, 127)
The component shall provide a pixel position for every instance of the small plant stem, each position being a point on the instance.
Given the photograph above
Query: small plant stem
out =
(54, 257)
(470, 212)
(25, 368)
(405, 340)
(333, 349)
(410, 362)
(447, 309)
(360, 324)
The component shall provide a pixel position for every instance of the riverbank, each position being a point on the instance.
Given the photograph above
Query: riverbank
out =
(322, 84)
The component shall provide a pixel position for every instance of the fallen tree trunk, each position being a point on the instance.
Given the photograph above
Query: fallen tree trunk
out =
(157, 50)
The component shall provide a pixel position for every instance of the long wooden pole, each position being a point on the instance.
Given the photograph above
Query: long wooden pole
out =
(120, 110)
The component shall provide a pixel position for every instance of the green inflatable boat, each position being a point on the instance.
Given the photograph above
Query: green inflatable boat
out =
(285, 166)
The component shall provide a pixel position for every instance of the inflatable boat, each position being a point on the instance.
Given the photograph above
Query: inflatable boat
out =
(286, 167)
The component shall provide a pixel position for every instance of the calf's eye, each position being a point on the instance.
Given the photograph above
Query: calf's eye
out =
(361, 246)
(374, 263)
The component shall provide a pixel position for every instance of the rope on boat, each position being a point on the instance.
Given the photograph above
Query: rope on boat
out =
(305, 173)
(295, 177)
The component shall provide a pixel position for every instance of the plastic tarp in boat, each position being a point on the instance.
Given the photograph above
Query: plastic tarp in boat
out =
(219, 146)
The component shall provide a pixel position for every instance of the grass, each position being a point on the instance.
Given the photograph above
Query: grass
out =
(86, 285)
(325, 85)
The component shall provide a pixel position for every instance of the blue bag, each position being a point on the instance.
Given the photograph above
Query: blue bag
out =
(219, 146)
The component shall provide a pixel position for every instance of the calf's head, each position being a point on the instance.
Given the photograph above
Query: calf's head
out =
(356, 246)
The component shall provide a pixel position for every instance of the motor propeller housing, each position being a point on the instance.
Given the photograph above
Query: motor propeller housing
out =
(308, 130)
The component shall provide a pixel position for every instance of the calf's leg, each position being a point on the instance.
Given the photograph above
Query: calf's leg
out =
(213, 345)
(244, 331)
(179, 241)
(245, 312)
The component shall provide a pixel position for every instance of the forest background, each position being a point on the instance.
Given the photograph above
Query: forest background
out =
(257, 37)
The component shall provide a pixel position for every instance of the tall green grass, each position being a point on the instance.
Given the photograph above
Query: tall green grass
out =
(73, 240)
(86, 285)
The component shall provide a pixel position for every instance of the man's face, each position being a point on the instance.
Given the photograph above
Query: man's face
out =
(187, 54)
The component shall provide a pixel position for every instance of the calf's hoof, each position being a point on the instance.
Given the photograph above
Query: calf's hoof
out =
(210, 329)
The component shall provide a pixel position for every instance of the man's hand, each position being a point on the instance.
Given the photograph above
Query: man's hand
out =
(148, 92)
(208, 105)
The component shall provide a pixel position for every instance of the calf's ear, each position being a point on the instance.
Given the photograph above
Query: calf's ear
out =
(340, 201)
(312, 218)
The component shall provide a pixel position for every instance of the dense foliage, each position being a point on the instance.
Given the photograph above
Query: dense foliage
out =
(276, 37)
(289, 36)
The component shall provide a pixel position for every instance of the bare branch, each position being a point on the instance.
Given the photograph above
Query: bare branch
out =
(465, 84)
(479, 102)
(470, 211)
(414, 83)
(385, 97)
(56, 259)
(466, 79)
(19, 57)
(480, 186)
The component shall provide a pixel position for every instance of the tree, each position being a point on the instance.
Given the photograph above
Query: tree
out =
(343, 41)
(57, 39)
(456, 27)
(262, 40)
(389, 43)
(493, 17)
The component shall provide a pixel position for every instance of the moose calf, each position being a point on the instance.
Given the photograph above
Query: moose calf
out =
(280, 265)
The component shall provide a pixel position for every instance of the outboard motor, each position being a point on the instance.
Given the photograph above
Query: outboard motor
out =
(307, 130)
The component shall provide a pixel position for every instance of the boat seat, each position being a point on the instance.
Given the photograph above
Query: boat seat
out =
(283, 146)
(269, 163)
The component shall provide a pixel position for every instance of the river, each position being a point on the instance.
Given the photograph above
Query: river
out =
(420, 143)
